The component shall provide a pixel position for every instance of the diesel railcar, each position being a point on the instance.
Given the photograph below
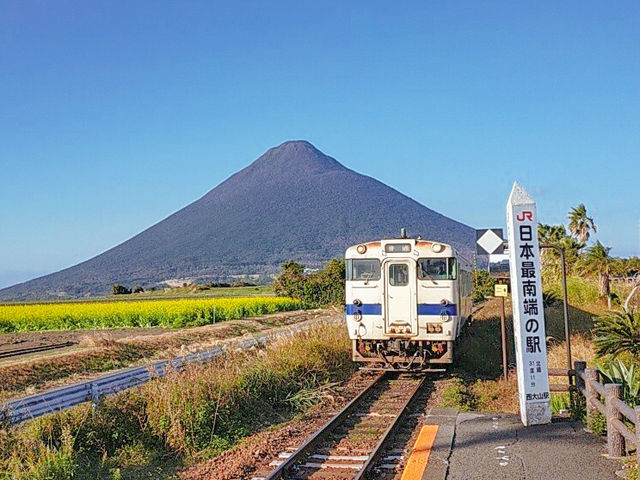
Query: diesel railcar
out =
(407, 301)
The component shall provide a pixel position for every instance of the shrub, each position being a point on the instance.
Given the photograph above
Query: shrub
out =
(138, 289)
(616, 371)
(324, 287)
(189, 414)
(598, 424)
(483, 285)
(118, 289)
(617, 333)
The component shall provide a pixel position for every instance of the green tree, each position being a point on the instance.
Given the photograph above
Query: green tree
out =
(598, 261)
(118, 289)
(324, 287)
(290, 281)
(138, 289)
(550, 258)
(581, 225)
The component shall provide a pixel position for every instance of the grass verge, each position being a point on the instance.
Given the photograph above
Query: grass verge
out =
(477, 384)
(152, 431)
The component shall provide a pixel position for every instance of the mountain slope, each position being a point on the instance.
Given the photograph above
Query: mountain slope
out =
(292, 202)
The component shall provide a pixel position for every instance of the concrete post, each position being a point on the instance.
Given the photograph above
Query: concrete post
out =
(591, 375)
(576, 396)
(615, 440)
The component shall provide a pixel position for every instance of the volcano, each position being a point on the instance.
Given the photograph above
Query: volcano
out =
(293, 202)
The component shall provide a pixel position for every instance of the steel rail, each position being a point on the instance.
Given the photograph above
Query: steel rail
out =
(322, 431)
(368, 465)
(328, 427)
(42, 348)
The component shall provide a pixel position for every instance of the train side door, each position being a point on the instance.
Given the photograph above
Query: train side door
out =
(400, 303)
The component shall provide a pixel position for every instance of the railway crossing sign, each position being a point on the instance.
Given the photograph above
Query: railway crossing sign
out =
(528, 310)
(489, 241)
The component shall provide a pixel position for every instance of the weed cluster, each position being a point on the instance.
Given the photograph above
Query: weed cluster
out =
(183, 417)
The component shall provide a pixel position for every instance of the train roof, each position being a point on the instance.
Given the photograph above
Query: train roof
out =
(417, 248)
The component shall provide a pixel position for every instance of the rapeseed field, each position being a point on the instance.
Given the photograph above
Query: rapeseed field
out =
(154, 313)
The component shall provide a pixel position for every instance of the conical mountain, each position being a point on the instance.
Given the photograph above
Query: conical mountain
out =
(293, 202)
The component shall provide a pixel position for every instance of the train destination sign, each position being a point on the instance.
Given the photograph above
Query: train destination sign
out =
(528, 310)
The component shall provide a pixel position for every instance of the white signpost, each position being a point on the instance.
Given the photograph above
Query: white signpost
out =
(528, 310)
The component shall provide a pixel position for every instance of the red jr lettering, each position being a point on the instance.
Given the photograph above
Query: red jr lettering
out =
(526, 215)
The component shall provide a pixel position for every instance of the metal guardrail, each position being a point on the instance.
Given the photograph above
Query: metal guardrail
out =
(33, 406)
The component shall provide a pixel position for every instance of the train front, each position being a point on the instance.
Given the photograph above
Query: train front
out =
(401, 303)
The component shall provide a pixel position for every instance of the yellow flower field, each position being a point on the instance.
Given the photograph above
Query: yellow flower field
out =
(163, 313)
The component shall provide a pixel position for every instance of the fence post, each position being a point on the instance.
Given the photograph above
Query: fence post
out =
(95, 396)
(579, 368)
(636, 410)
(591, 375)
(615, 440)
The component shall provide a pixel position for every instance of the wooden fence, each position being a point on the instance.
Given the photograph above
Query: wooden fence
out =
(586, 382)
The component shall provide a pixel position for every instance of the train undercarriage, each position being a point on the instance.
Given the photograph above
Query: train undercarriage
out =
(403, 354)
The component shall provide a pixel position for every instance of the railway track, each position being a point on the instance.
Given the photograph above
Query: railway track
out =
(25, 351)
(353, 445)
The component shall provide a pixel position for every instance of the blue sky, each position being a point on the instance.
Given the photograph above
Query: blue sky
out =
(115, 114)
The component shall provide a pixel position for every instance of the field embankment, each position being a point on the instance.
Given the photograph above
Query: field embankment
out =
(102, 351)
(157, 429)
(163, 313)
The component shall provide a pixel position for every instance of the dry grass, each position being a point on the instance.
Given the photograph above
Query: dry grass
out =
(101, 352)
(154, 430)
(478, 384)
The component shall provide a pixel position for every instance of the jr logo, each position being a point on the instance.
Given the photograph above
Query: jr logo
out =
(526, 215)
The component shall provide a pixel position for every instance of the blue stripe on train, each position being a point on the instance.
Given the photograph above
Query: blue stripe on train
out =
(437, 309)
(365, 309)
(423, 309)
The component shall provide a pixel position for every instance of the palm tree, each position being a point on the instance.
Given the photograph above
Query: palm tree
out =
(597, 260)
(580, 225)
(557, 235)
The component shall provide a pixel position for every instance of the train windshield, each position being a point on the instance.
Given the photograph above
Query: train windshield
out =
(364, 269)
(437, 268)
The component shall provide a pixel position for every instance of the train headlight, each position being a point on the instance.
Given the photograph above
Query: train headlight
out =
(361, 249)
(444, 302)
(357, 302)
(437, 248)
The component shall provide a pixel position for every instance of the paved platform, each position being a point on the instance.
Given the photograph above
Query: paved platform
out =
(481, 447)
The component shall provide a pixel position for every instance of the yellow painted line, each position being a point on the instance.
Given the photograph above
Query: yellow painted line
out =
(420, 454)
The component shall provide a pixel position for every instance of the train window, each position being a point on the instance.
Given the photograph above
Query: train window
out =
(437, 268)
(363, 269)
(398, 274)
